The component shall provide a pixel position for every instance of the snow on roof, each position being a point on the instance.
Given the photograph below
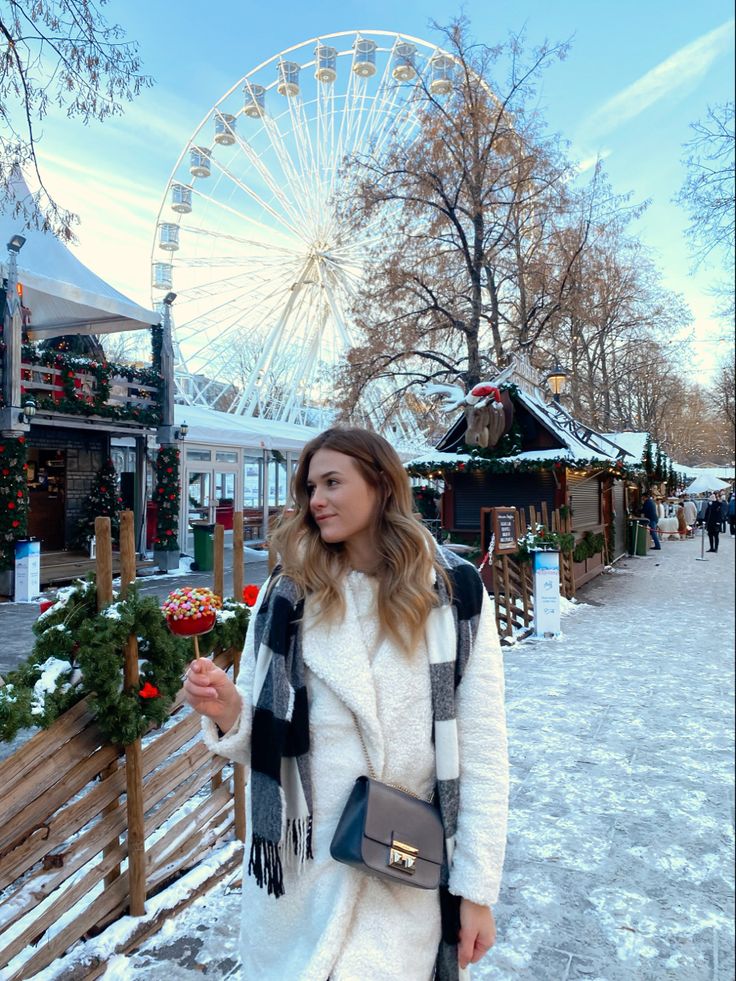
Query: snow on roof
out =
(225, 429)
(633, 443)
(63, 295)
(441, 458)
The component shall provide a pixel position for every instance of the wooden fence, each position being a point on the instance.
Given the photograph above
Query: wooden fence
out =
(84, 820)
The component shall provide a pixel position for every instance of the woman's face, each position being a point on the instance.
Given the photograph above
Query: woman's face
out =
(342, 502)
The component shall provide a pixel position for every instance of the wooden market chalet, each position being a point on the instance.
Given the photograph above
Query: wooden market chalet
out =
(65, 408)
(510, 447)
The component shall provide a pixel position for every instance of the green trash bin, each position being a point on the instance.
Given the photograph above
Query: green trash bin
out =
(204, 546)
(638, 537)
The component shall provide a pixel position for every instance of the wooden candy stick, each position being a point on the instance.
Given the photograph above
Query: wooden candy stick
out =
(196, 645)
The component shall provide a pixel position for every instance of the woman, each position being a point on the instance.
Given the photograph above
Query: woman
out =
(713, 522)
(392, 654)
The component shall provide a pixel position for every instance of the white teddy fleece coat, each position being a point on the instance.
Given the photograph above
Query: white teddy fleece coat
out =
(335, 922)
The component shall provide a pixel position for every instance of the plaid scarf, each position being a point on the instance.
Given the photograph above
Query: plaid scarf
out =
(281, 788)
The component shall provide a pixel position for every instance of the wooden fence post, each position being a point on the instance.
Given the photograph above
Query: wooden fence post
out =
(219, 572)
(238, 556)
(103, 558)
(133, 752)
(103, 572)
(238, 775)
(219, 589)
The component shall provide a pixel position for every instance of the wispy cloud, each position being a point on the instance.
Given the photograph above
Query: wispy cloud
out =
(682, 69)
(587, 163)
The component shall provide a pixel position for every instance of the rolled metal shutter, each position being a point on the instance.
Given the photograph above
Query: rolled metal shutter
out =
(585, 500)
(474, 491)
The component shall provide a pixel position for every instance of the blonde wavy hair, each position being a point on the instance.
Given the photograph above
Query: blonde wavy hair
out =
(407, 552)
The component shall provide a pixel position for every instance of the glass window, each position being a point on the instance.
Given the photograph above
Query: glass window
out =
(253, 482)
(226, 456)
(199, 454)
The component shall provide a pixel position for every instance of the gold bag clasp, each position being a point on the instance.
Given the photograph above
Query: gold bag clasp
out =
(403, 857)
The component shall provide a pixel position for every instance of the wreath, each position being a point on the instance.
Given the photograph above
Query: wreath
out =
(79, 652)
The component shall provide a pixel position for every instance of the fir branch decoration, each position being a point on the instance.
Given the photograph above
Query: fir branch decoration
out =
(79, 652)
(75, 399)
(167, 495)
(540, 538)
(589, 545)
(13, 497)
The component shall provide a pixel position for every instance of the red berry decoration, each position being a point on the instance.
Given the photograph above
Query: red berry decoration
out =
(250, 594)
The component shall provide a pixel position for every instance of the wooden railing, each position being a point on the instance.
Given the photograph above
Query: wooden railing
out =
(76, 391)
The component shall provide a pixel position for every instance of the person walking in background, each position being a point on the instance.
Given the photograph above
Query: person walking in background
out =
(713, 522)
(371, 648)
(691, 512)
(649, 510)
(731, 514)
(724, 512)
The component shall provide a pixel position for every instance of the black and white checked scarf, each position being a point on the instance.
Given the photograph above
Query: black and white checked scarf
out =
(281, 788)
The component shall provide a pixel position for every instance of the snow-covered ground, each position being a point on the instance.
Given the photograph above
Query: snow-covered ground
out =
(620, 853)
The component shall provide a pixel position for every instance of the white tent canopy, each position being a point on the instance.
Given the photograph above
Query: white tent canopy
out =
(63, 295)
(224, 429)
(706, 483)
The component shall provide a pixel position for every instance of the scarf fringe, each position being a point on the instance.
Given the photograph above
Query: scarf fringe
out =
(265, 863)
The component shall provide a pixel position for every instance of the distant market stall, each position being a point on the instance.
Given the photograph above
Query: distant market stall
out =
(530, 452)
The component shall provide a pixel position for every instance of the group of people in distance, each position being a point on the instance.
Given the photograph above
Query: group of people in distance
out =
(712, 512)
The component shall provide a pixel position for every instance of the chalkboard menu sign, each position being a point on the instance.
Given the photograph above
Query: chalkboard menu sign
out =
(504, 530)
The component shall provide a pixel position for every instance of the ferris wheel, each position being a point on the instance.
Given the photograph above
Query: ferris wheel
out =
(251, 234)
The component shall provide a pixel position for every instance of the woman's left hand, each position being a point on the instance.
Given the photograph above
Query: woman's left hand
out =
(477, 933)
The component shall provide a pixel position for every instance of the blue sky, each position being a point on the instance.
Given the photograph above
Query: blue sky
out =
(637, 74)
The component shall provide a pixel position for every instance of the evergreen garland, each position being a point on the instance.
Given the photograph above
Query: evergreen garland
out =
(589, 545)
(167, 496)
(79, 652)
(75, 401)
(13, 497)
(479, 464)
(102, 502)
(541, 538)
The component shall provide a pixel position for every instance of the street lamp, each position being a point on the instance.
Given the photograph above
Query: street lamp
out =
(28, 411)
(16, 244)
(556, 380)
(181, 432)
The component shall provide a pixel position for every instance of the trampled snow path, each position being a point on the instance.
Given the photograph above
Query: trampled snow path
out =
(620, 854)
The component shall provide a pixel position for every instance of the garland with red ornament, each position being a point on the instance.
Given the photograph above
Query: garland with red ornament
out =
(167, 496)
(75, 399)
(13, 497)
(80, 651)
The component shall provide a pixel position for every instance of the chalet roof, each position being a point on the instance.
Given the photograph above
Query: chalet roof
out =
(63, 295)
(576, 441)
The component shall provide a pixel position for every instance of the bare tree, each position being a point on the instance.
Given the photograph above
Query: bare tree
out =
(708, 191)
(58, 55)
(466, 213)
(708, 194)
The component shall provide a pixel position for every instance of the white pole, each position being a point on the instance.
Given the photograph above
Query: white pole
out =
(702, 557)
